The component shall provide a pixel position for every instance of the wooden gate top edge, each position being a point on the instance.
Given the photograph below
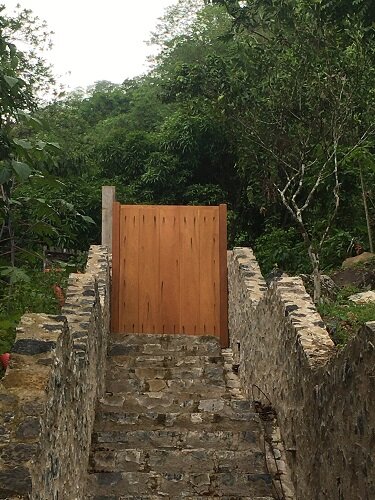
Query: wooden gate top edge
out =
(171, 206)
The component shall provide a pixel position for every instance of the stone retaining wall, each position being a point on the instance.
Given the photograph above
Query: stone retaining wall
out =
(49, 392)
(324, 397)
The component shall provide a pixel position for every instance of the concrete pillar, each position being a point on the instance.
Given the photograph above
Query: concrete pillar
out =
(108, 197)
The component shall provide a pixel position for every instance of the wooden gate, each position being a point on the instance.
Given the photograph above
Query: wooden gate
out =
(169, 268)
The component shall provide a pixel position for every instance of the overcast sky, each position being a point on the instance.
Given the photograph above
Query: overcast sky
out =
(97, 40)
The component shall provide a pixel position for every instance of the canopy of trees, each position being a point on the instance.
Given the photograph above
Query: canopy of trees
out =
(267, 105)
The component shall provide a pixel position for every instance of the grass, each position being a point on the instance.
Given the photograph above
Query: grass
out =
(344, 318)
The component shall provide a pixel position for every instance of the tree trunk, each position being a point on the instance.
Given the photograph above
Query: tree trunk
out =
(314, 258)
(12, 243)
(366, 211)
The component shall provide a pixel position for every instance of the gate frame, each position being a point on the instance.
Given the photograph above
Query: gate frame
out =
(111, 238)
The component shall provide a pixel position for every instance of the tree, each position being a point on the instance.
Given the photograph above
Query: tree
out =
(298, 92)
(264, 104)
(22, 75)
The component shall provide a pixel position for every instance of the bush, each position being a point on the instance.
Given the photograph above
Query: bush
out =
(344, 318)
(34, 294)
(282, 248)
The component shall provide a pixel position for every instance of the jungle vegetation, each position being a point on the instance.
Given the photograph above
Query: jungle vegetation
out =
(266, 105)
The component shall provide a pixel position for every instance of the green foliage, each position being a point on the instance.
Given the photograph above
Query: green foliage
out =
(337, 248)
(247, 102)
(344, 318)
(30, 291)
(240, 97)
(32, 211)
(282, 249)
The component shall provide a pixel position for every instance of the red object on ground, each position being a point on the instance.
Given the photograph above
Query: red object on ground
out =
(4, 359)
(59, 294)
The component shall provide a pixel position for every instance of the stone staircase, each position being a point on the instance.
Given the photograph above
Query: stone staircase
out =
(173, 424)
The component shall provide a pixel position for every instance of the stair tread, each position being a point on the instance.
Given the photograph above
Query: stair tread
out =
(152, 344)
(124, 403)
(166, 339)
(189, 372)
(174, 424)
(165, 360)
(193, 484)
(166, 497)
(174, 420)
(172, 460)
(162, 438)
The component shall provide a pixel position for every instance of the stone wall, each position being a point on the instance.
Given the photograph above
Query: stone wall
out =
(324, 397)
(49, 392)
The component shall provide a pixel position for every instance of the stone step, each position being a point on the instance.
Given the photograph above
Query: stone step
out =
(187, 461)
(123, 421)
(164, 360)
(173, 387)
(164, 339)
(180, 485)
(173, 424)
(179, 439)
(167, 497)
(135, 345)
(165, 403)
(210, 373)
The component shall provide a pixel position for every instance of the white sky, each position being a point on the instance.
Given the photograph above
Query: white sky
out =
(97, 40)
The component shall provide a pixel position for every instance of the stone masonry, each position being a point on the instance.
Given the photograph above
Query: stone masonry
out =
(323, 396)
(49, 392)
(167, 416)
(173, 424)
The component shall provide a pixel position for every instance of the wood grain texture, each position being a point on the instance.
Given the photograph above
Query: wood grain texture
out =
(209, 304)
(169, 269)
(129, 269)
(149, 270)
(189, 270)
(115, 267)
(224, 333)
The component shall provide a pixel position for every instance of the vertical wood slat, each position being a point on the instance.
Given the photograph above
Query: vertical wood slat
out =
(224, 334)
(129, 269)
(169, 270)
(149, 270)
(209, 305)
(115, 267)
(189, 270)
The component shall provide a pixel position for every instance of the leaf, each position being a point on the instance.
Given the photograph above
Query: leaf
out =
(11, 81)
(40, 145)
(88, 219)
(15, 274)
(24, 144)
(32, 121)
(5, 174)
(54, 145)
(43, 229)
(15, 202)
(67, 205)
(22, 169)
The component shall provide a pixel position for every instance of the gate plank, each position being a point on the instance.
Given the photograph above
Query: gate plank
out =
(129, 278)
(149, 270)
(189, 270)
(209, 271)
(170, 269)
(224, 333)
